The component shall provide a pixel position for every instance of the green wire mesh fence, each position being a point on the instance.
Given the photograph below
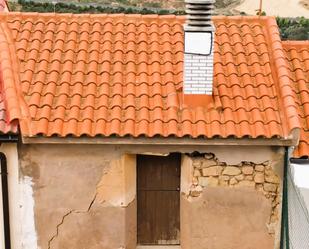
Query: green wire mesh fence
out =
(295, 222)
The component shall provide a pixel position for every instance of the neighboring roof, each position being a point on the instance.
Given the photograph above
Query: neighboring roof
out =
(3, 6)
(5, 126)
(122, 75)
(297, 53)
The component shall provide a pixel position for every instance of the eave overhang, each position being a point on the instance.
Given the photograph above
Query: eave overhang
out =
(160, 141)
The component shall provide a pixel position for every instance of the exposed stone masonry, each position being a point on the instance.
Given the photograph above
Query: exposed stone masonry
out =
(208, 171)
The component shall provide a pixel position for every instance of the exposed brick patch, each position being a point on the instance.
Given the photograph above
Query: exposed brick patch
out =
(198, 72)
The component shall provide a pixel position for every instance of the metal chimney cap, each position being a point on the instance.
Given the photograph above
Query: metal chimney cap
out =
(199, 14)
(191, 28)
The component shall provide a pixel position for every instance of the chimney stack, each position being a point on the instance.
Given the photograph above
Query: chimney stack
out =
(198, 57)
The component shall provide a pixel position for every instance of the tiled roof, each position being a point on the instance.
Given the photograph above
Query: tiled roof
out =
(3, 5)
(6, 127)
(122, 75)
(297, 53)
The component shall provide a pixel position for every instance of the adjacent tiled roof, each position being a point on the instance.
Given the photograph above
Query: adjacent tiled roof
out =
(3, 5)
(122, 75)
(6, 127)
(297, 53)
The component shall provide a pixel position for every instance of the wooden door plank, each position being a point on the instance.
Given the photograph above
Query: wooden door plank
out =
(158, 198)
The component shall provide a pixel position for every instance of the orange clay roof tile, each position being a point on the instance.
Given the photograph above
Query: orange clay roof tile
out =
(6, 127)
(104, 75)
(297, 54)
(3, 6)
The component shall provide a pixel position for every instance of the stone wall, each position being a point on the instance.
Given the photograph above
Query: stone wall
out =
(209, 171)
(245, 189)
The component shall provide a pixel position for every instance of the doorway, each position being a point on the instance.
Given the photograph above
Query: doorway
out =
(158, 199)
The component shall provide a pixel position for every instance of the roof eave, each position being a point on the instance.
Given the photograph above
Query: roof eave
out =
(161, 141)
(8, 138)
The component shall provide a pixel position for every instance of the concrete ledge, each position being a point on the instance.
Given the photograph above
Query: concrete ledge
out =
(290, 141)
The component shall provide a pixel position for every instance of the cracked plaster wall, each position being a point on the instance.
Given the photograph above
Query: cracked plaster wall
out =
(84, 195)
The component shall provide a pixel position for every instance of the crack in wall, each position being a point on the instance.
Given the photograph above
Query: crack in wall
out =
(92, 202)
(65, 216)
(69, 213)
(58, 227)
(98, 199)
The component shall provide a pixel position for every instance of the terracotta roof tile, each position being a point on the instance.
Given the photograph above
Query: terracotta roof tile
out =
(6, 127)
(8, 121)
(297, 54)
(3, 6)
(122, 75)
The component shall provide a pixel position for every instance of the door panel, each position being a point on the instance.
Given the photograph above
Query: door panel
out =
(158, 199)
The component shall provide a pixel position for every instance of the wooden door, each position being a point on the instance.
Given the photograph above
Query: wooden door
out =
(158, 198)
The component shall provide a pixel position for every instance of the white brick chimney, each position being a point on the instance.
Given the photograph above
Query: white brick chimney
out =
(199, 43)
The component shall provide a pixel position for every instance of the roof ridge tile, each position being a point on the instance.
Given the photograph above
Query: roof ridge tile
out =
(7, 69)
(290, 106)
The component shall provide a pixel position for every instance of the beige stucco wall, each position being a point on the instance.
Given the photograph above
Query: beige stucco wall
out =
(84, 196)
(81, 195)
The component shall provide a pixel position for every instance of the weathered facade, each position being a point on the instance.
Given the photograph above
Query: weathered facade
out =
(91, 94)
(84, 196)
